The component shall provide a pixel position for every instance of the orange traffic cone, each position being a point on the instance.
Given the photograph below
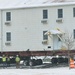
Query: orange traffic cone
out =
(72, 65)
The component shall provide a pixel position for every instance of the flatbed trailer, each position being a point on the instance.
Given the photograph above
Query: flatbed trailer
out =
(26, 56)
(40, 53)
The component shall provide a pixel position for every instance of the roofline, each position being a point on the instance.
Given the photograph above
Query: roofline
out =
(40, 5)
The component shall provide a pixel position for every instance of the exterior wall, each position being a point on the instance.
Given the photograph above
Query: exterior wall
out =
(27, 30)
(0, 31)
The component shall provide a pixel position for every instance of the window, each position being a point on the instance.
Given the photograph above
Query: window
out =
(8, 36)
(8, 16)
(74, 33)
(59, 39)
(60, 13)
(45, 37)
(45, 14)
(73, 12)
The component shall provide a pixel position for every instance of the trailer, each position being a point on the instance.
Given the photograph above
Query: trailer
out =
(40, 53)
(27, 56)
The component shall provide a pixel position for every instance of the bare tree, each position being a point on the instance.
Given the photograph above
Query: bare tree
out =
(69, 42)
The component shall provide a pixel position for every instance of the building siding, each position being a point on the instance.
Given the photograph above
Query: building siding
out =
(27, 30)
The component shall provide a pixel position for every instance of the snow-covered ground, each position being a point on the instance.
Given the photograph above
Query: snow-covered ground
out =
(49, 71)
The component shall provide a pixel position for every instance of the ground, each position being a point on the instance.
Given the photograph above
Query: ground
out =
(47, 71)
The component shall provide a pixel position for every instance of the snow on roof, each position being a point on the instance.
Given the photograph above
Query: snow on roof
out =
(54, 32)
(32, 3)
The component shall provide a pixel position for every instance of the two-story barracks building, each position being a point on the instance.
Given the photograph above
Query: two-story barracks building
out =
(24, 27)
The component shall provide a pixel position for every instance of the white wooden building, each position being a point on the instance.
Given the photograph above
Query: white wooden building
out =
(23, 24)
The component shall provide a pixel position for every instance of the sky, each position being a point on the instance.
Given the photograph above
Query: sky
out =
(48, 71)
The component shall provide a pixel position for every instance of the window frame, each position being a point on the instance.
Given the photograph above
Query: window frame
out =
(8, 36)
(45, 37)
(74, 12)
(8, 16)
(45, 14)
(59, 38)
(60, 13)
(74, 33)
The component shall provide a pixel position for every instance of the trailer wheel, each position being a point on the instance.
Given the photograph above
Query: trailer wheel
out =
(54, 60)
(39, 62)
(60, 60)
(32, 62)
(25, 63)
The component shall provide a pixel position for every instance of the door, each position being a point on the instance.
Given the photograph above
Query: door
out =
(56, 42)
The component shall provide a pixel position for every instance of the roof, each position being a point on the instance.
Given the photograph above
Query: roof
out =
(32, 3)
(51, 32)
